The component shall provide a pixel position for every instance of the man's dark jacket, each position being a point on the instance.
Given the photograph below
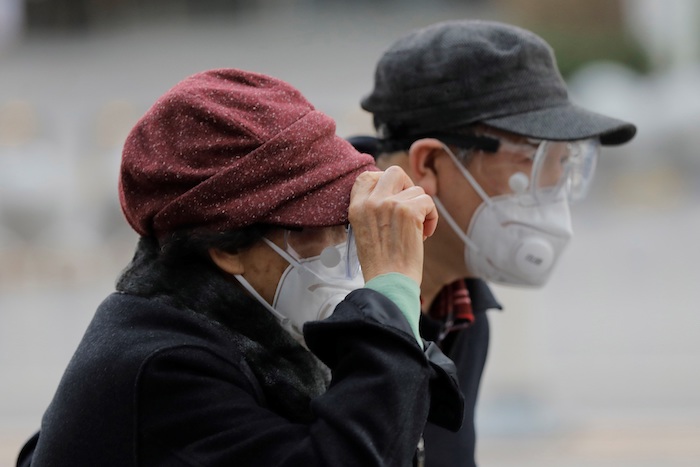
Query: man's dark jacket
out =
(467, 348)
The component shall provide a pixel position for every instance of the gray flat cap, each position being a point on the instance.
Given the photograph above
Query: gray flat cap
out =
(456, 73)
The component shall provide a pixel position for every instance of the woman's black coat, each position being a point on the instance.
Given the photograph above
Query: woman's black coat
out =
(180, 368)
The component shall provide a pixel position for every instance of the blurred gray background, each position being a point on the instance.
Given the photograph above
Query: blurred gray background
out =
(598, 368)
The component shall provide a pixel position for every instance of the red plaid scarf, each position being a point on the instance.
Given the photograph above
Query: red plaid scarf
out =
(453, 307)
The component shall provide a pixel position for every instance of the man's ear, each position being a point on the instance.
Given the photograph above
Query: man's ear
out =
(227, 262)
(421, 163)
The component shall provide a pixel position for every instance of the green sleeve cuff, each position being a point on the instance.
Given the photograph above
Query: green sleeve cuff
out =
(404, 292)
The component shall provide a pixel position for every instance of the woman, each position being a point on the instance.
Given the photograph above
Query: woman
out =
(214, 350)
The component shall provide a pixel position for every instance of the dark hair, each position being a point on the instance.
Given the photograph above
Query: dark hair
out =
(461, 140)
(188, 245)
(465, 138)
(178, 269)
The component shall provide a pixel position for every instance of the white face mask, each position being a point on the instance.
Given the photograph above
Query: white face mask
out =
(513, 239)
(309, 288)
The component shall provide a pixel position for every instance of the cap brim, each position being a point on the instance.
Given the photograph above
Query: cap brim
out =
(365, 144)
(566, 123)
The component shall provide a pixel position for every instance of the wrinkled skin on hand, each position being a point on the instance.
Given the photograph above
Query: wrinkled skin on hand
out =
(391, 217)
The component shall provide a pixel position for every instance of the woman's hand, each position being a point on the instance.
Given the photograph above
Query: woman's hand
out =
(391, 218)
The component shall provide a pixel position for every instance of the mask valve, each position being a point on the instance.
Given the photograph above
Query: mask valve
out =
(534, 256)
(330, 257)
(518, 182)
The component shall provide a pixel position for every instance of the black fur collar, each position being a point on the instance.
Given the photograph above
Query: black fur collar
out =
(288, 373)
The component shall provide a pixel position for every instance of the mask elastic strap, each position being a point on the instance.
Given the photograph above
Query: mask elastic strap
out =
(284, 321)
(457, 230)
(301, 267)
(290, 259)
(443, 211)
(472, 181)
(295, 263)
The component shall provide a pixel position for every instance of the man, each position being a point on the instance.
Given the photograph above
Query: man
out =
(210, 351)
(478, 115)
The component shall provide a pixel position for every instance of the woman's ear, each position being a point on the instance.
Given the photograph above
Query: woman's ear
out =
(421, 163)
(227, 262)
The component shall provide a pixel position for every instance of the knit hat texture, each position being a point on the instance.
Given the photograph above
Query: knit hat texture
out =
(224, 149)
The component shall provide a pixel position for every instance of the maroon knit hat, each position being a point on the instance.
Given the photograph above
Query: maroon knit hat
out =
(225, 149)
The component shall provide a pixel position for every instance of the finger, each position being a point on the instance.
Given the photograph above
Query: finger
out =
(425, 212)
(364, 184)
(392, 181)
(431, 219)
(409, 193)
(368, 179)
(425, 206)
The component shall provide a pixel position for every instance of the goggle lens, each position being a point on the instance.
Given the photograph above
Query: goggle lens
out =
(335, 248)
(564, 169)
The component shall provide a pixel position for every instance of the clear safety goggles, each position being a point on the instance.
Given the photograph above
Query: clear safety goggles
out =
(563, 168)
(544, 170)
(329, 253)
